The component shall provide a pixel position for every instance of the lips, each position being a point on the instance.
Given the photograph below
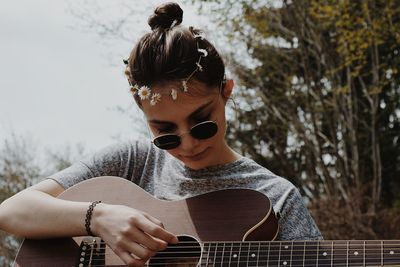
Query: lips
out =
(196, 157)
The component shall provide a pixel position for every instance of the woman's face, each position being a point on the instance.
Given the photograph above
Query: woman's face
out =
(180, 115)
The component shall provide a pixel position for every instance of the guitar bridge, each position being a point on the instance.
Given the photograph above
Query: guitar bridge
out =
(92, 252)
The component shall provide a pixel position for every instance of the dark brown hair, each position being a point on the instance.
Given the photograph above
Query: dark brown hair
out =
(169, 54)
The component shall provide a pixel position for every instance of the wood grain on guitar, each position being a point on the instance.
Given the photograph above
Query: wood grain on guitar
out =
(233, 227)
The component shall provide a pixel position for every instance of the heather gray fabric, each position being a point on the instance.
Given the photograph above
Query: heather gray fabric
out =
(163, 176)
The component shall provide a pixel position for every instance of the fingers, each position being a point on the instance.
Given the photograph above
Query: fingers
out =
(130, 260)
(133, 254)
(146, 240)
(156, 229)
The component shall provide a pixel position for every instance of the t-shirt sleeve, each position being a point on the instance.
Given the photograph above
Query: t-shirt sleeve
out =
(120, 159)
(295, 220)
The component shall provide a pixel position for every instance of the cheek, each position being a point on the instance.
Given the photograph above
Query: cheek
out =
(174, 152)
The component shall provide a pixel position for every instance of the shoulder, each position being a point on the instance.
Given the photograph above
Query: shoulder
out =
(267, 180)
(125, 159)
(279, 189)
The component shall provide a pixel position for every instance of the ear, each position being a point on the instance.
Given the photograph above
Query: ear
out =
(228, 88)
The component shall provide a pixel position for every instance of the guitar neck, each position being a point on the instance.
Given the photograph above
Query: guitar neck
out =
(302, 253)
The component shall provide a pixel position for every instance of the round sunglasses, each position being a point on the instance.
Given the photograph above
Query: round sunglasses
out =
(201, 131)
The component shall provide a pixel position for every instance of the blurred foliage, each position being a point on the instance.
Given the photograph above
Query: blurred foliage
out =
(20, 167)
(319, 101)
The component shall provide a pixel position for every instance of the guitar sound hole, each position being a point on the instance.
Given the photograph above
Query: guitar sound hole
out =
(184, 254)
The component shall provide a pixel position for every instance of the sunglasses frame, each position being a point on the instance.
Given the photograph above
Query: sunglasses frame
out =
(188, 132)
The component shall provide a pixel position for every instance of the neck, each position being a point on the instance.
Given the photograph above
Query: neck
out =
(304, 253)
(227, 155)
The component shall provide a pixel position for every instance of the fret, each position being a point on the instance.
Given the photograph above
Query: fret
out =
(324, 253)
(356, 253)
(264, 257)
(234, 259)
(258, 253)
(211, 254)
(297, 254)
(223, 255)
(364, 254)
(230, 254)
(218, 254)
(274, 251)
(286, 249)
(224, 258)
(205, 255)
(310, 253)
(291, 254)
(252, 254)
(373, 253)
(244, 249)
(340, 253)
(391, 252)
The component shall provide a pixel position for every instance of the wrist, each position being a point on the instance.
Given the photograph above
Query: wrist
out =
(92, 213)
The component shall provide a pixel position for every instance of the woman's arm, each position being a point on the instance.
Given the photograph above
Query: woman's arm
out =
(37, 213)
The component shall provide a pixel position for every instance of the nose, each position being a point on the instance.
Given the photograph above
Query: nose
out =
(188, 142)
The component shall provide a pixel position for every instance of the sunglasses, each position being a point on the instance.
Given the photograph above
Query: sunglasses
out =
(201, 131)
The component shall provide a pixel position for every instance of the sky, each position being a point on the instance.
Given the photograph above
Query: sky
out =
(60, 81)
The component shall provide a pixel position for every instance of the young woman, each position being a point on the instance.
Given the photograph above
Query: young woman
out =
(178, 80)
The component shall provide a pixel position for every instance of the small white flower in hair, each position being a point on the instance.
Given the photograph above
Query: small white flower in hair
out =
(184, 85)
(199, 66)
(203, 51)
(134, 89)
(144, 92)
(155, 98)
(174, 94)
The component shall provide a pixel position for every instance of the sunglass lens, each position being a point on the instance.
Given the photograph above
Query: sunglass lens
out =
(168, 141)
(204, 130)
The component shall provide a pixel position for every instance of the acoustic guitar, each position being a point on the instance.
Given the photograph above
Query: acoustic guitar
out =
(232, 227)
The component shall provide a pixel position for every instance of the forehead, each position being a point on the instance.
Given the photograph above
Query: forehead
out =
(168, 109)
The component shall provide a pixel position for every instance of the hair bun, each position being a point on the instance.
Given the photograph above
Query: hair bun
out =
(164, 16)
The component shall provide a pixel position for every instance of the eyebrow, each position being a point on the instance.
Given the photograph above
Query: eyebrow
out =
(200, 109)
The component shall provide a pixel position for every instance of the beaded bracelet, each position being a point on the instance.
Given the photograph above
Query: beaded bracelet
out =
(89, 213)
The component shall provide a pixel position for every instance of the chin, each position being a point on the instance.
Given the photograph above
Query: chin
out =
(199, 161)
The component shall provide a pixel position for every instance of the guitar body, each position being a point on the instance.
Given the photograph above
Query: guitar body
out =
(225, 215)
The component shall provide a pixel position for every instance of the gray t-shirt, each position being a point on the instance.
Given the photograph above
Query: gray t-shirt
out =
(165, 177)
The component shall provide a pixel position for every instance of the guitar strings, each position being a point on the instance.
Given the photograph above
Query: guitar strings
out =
(308, 245)
(221, 263)
(281, 247)
(262, 251)
(328, 256)
(262, 248)
(336, 242)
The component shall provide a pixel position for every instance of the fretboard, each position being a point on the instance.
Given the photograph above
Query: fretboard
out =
(302, 253)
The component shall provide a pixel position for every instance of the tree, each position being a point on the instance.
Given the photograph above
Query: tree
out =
(322, 94)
